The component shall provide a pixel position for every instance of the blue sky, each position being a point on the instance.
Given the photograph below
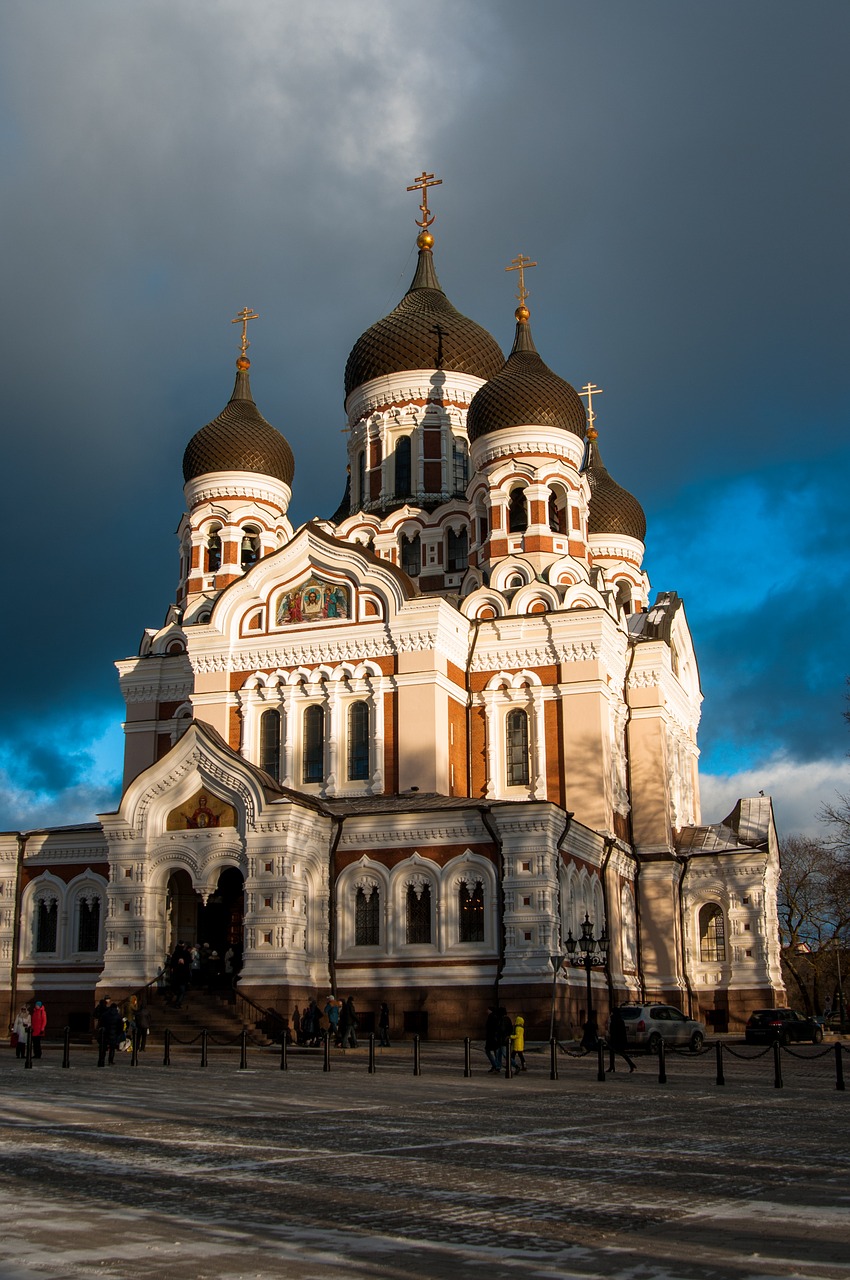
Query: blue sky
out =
(679, 173)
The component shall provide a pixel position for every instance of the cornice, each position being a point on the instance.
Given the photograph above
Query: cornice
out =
(237, 484)
(409, 387)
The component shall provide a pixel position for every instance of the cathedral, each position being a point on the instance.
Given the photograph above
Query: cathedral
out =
(438, 749)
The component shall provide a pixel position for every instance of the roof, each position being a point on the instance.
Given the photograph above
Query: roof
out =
(612, 508)
(239, 439)
(423, 332)
(525, 392)
(748, 826)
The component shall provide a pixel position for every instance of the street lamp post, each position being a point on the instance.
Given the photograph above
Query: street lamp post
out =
(557, 964)
(592, 952)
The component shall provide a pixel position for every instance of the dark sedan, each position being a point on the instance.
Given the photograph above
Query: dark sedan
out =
(766, 1025)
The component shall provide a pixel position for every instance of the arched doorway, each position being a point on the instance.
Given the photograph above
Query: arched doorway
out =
(181, 903)
(220, 920)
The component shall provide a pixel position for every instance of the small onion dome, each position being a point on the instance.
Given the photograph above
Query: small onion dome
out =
(612, 508)
(525, 392)
(239, 439)
(424, 332)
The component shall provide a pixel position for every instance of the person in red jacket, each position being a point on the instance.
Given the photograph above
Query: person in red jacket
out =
(39, 1025)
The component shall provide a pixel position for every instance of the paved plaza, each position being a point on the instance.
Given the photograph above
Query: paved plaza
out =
(228, 1174)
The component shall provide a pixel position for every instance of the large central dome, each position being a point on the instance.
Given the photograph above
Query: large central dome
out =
(423, 332)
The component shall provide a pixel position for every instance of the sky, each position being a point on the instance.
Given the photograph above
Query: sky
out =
(677, 170)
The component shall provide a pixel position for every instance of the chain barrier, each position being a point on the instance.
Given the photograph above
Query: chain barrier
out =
(807, 1057)
(748, 1057)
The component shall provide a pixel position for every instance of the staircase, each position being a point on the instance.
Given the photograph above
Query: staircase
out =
(202, 1010)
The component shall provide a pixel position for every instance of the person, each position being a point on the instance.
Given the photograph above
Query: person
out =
(314, 1018)
(492, 1047)
(143, 1025)
(827, 1008)
(590, 1034)
(518, 1041)
(506, 1032)
(332, 1015)
(20, 1028)
(348, 1025)
(179, 975)
(112, 1026)
(229, 966)
(384, 1026)
(38, 1020)
(296, 1024)
(618, 1040)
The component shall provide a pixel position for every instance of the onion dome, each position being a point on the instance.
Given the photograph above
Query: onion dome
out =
(612, 508)
(525, 392)
(239, 439)
(423, 332)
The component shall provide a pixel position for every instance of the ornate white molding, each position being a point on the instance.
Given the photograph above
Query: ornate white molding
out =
(172, 691)
(237, 484)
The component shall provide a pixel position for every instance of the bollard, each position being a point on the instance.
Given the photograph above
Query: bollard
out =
(166, 1048)
(777, 1065)
(553, 1059)
(662, 1064)
(28, 1057)
(839, 1067)
(283, 1063)
(243, 1047)
(326, 1063)
(101, 1047)
(718, 1049)
(204, 1038)
(509, 1065)
(417, 1061)
(371, 1055)
(467, 1058)
(600, 1062)
(134, 1047)
(66, 1048)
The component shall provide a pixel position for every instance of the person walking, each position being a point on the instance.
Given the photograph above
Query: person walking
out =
(39, 1026)
(506, 1034)
(518, 1043)
(590, 1035)
(143, 1026)
(618, 1040)
(112, 1026)
(348, 1025)
(20, 1028)
(384, 1026)
(332, 1015)
(491, 1041)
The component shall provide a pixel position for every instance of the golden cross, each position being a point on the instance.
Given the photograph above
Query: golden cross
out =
(244, 316)
(590, 390)
(422, 183)
(519, 263)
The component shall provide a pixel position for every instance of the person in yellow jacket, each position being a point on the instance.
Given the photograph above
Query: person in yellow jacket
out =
(518, 1043)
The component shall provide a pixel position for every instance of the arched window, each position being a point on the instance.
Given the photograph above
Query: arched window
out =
(314, 744)
(624, 596)
(214, 550)
(457, 551)
(471, 912)
(358, 741)
(418, 913)
(460, 468)
(88, 926)
(250, 547)
(402, 467)
(411, 555)
(367, 917)
(270, 743)
(46, 924)
(557, 515)
(361, 478)
(712, 934)
(517, 512)
(516, 748)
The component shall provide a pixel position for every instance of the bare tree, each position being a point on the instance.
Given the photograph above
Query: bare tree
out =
(814, 916)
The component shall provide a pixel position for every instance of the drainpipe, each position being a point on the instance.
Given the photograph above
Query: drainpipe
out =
(332, 902)
(641, 978)
(476, 623)
(685, 864)
(16, 925)
(500, 894)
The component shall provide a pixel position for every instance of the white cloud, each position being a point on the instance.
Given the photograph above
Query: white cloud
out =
(799, 790)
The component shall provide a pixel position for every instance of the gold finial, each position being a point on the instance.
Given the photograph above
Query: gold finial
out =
(590, 390)
(520, 263)
(244, 316)
(425, 180)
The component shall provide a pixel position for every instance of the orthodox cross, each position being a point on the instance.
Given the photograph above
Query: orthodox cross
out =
(590, 390)
(520, 263)
(244, 316)
(422, 183)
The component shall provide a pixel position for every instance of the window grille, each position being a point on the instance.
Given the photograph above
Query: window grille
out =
(471, 912)
(516, 748)
(314, 744)
(411, 555)
(712, 934)
(358, 741)
(460, 468)
(418, 915)
(402, 468)
(46, 925)
(88, 930)
(367, 919)
(457, 548)
(270, 743)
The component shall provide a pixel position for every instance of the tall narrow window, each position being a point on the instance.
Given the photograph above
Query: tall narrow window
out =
(460, 461)
(46, 925)
(712, 934)
(402, 468)
(457, 551)
(471, 912)
(557, 515)
(517, 512)
(367, 918)
(214, 551)
(314, 744)
(418, 913)
(250, 548)
(358, 741)
(411, 555)
(88, 930)
(270, 743)
(516, 748)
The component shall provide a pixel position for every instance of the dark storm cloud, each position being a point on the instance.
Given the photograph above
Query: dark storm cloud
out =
(675, 169)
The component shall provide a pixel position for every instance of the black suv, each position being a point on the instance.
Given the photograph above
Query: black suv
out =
(766, 1025)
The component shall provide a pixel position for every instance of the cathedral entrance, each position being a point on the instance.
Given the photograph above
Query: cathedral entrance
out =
(182, 910)
(220, 920)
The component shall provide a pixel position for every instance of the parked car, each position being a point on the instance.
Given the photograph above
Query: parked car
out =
(766, 1025)
(648, 1024)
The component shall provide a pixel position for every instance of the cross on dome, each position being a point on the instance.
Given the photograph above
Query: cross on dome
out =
(590, 390)
(422, 183)
(520, 263)
(242, 318)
